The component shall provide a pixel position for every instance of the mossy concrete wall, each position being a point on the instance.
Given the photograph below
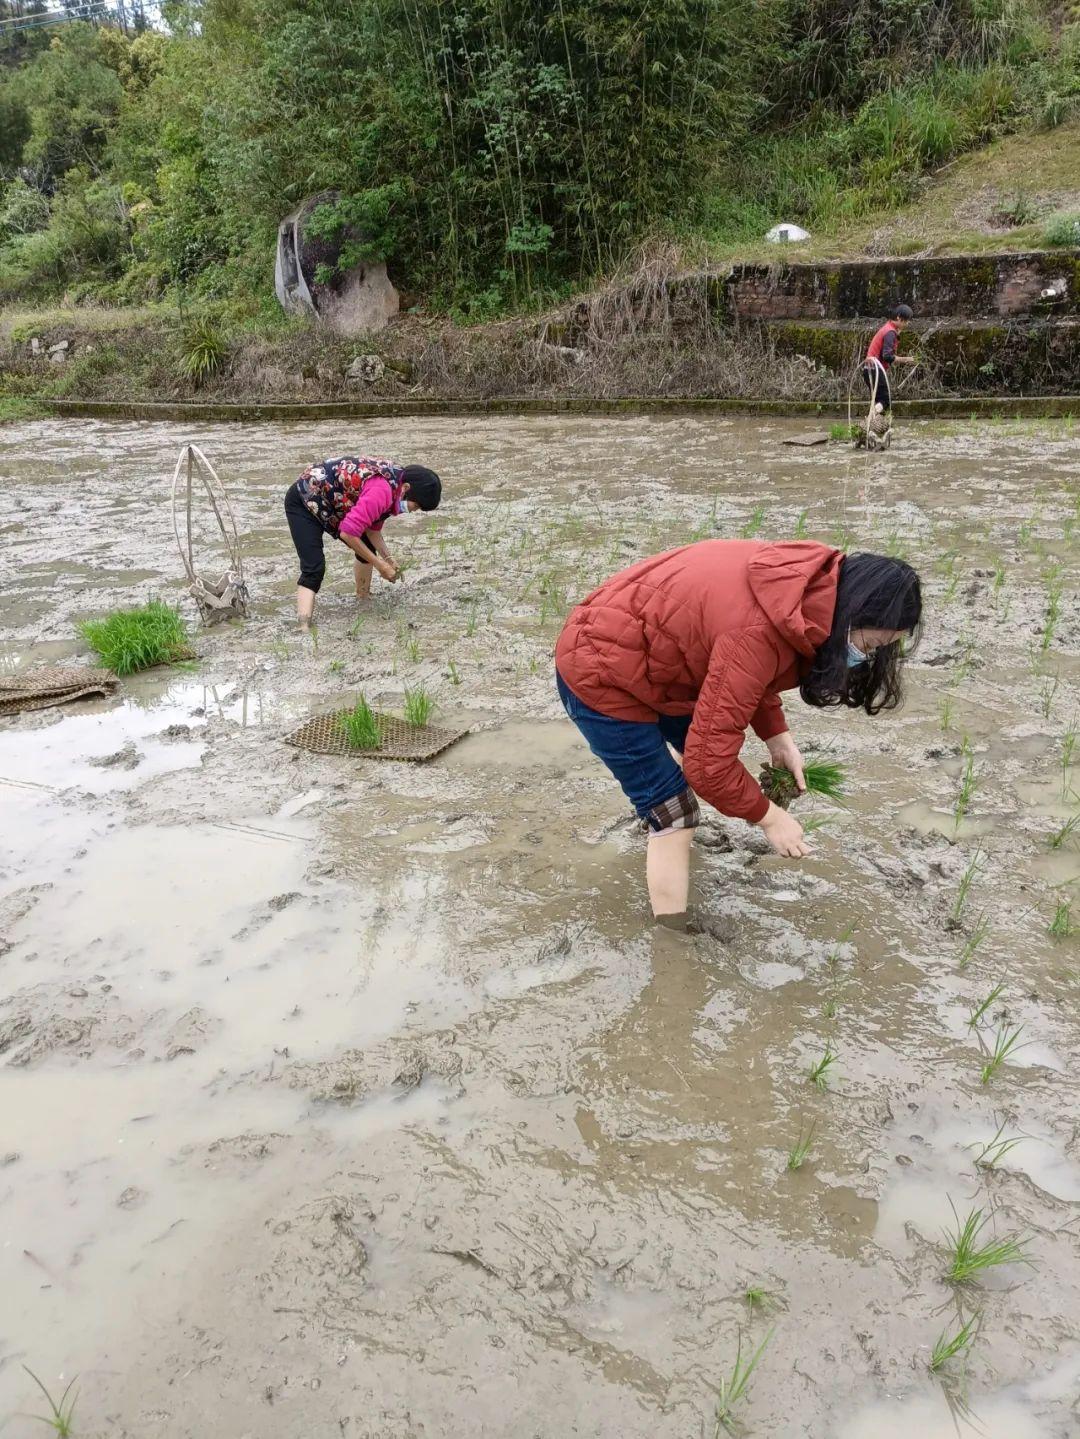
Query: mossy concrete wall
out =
(1041, 283)
(1028, 356)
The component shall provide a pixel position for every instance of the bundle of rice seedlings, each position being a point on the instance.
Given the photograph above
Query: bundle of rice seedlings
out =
(360, 727)
(823, 776)
(130, 640)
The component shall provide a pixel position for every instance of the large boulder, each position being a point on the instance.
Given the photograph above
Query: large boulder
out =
(355, 301)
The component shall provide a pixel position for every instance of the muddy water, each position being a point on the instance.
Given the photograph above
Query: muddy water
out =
(348, 1098)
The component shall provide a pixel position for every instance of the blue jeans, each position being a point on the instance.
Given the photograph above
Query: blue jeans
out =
(635, 751)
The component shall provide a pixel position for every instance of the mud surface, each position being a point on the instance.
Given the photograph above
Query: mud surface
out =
(356, 1099)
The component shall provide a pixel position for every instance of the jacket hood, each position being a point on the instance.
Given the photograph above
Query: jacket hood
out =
(795, 584)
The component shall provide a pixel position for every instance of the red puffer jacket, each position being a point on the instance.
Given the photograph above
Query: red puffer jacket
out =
(715, 630)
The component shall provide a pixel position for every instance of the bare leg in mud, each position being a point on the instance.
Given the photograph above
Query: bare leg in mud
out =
(667, 871)
(305, 604)
(362, 575)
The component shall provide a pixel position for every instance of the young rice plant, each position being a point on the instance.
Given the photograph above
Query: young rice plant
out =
(949, 1345)
(970, 1257)
(418, 706)
(734, 1386)
(360, 727)
(60, 1416)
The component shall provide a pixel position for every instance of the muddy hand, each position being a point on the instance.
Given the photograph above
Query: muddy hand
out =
(784, 833)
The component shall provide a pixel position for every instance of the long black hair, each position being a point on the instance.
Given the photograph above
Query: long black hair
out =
(878, 593)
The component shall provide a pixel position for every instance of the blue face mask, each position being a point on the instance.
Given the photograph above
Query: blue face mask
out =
(855, 656)
(402, 506)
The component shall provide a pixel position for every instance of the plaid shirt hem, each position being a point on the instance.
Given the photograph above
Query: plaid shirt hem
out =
(679, 812)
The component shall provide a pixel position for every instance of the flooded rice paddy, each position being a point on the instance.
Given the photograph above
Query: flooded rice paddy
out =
(344, 1098)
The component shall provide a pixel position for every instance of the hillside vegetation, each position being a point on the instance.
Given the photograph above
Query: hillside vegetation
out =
(497, 154)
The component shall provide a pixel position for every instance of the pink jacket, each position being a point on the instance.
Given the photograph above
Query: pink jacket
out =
(377, 499)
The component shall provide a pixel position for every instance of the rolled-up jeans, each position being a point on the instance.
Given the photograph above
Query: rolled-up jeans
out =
(637, 754)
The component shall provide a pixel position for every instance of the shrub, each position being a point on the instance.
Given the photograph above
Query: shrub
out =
(1063, 229)
(203, 350)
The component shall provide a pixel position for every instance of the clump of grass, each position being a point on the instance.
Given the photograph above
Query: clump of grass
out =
(949, 1345)
(418, 706)
(203, 350)
(1062, 229)
(970, 1258)
(360, 727)
(130, 640)
(822, 776)
(1061, 926)
(61, 1414)
(800, 1150)
(822, 1068)
(1006, 1042)
(841, 430)
(734, 1387)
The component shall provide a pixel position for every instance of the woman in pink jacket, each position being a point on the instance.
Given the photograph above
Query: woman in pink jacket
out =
(351, 499)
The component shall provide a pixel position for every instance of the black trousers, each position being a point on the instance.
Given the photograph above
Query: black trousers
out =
(884, 394)
(307, 536)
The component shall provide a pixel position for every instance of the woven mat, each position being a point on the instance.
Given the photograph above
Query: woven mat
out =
(323, 735)
(52, 685)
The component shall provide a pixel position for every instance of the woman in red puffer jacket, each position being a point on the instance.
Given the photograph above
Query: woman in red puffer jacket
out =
(691, 647)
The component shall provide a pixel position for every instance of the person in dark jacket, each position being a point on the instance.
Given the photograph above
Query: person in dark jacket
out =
(689, 648)
(351, 499)
(881, 356)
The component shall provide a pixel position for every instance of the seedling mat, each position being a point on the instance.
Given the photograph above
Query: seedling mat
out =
(323, 735)
(51, 685)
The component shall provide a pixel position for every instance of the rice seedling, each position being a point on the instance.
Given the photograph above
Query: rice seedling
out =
(412, 650)
(969, 1258)
(973, 941)
(452, 669)
(841, 538)
(946, 713)
(1006, 1043)
(977, 1015)
(418, 706)
(734, 1387)
(356, 626)
(994, 1150)
(800, 530)
(1061, 926)
(813, 822)
(130, 640)
(335, 667)
(758, 1297)
(800, 1150)
(824, 777)
(967, 879)
(822, 1068)
(471, 622)
(1055, 588)
(60, 1415)
(829, 1008)
(895, 547)
(969, 783)
(841, 430)
(998, 581)
(835, 954)
(753, 524)
(1047, 690)
(360, 727)
(1065, 833)
(1068, 752)
(948, 1345)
